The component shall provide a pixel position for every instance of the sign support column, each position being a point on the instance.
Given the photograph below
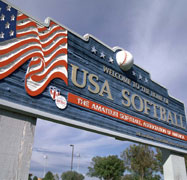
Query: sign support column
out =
(173, 166)
(16, 137)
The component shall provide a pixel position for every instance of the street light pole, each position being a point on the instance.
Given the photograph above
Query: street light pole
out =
(72, 156)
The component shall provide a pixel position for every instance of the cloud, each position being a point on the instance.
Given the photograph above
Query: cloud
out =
(159, 44)
(54, 140)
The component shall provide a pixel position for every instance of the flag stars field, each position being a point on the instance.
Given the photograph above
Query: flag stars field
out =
(8, 8)
(11, 33)
(2, 17)
(2, 35)
(7, 25)
(12, 18)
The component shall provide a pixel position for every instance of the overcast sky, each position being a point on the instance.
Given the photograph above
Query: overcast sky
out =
(155, 32)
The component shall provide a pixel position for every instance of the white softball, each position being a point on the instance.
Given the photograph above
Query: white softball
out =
(124, 60)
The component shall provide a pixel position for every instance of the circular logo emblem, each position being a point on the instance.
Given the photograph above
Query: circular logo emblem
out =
(61, 102)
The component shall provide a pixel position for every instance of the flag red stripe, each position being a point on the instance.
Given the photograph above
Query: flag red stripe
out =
(35, 71)
(49, 51)
(24, 51)
(43, 44)
(50, 32)
(38, 78)
(53, 23)
(22, 17)
(18, 45)
(50, 41)
(17, 65)
(27, 34)
(29, 24)
(41, 89)
(35, 62)
(42, 29)
(60, 51)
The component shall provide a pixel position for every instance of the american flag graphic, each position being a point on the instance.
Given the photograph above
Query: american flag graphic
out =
(23, 39)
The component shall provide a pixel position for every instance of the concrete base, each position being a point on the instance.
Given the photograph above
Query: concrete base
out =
(16, 140)
(173, 166)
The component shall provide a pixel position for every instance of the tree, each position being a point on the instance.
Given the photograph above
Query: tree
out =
(56, 177)
(49, 176)
(141, 161)
(29, 177)
(35, 178)
(72, 175)
(108, 168)
(159, 160)
(129, 177)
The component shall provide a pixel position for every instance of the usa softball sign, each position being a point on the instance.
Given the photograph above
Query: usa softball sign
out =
(49, 72)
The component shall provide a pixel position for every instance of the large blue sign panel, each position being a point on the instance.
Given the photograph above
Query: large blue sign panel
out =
(50, 72)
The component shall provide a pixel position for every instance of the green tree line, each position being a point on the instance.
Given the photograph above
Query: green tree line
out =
(137, 162)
